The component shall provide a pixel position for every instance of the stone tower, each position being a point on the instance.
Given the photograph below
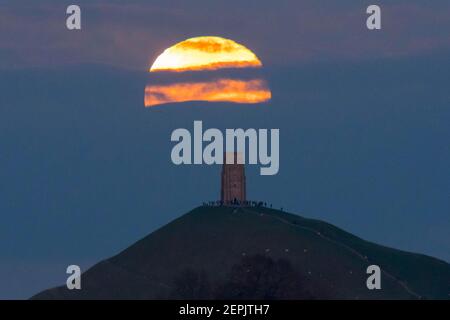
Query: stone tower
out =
(233, 179)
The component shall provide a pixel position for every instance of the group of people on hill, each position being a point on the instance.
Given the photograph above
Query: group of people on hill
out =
(237, 203)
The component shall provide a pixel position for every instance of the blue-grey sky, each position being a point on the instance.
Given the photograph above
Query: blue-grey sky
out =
(85, 169)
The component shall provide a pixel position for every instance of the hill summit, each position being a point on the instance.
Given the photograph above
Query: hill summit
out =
(257, 253)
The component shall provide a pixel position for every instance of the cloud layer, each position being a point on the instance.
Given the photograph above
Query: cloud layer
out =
(132, 34)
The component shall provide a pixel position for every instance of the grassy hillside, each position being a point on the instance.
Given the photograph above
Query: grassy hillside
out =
(211, 240)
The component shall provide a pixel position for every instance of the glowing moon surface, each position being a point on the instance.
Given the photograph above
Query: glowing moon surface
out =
(222, 90)
(204, 56)
(205, 53)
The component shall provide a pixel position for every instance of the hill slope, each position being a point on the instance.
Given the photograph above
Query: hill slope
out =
(211, 240)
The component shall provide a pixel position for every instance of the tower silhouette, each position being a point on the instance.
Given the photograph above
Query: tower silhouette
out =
(233, 179)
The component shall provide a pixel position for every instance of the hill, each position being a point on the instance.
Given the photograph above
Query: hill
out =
(200, 253)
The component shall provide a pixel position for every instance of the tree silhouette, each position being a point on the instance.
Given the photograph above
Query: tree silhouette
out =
(190, 284)
(261, 277)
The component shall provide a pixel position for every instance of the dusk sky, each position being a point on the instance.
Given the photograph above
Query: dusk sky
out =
(85, 168)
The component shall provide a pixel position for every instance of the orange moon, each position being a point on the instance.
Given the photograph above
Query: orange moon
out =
(206, 54)
(222, 90)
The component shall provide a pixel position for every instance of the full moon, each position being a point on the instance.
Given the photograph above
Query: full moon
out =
(205, 53)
